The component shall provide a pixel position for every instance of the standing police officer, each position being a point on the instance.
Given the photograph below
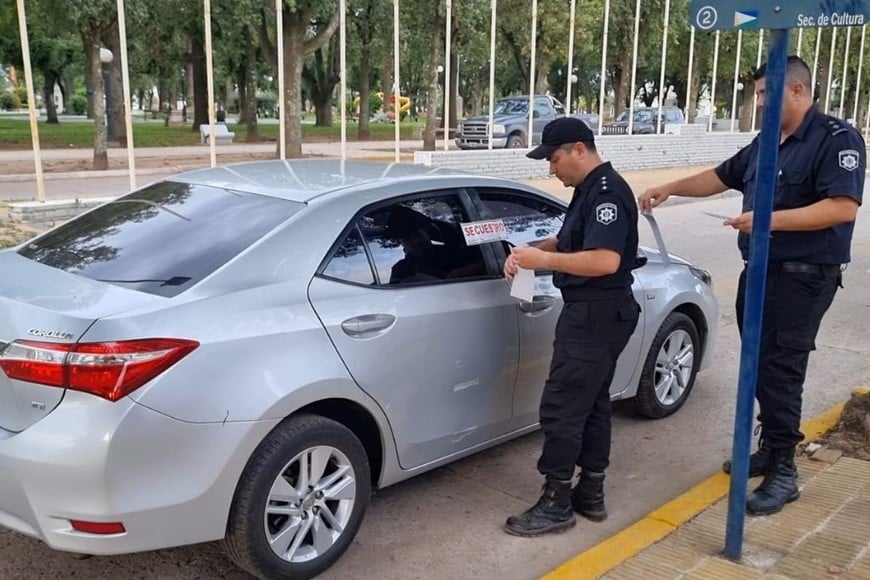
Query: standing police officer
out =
(592, 258)
(818, 190)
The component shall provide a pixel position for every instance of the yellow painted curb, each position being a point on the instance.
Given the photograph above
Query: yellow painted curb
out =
(662, 521)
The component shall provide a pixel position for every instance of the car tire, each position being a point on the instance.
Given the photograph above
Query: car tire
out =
(670, 368)
(516, 141)
(326, 509)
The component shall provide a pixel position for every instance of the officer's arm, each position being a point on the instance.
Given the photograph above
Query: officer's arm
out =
(839, 169)
(548, 244)
(701, 184)
(818, 216)
(590, 263)
(727, 175)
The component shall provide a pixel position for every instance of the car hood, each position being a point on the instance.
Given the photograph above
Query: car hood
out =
(502, 118)
(625, 124)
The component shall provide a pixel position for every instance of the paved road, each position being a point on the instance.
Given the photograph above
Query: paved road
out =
(447, 523)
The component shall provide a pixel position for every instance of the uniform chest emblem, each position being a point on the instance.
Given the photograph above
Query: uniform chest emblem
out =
(849, 159)
(606, 213)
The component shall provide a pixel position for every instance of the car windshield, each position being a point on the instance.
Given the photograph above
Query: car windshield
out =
(639, 117)
(511, 106)
(161, 239)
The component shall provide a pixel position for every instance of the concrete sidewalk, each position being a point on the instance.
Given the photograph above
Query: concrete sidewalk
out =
(825, 534)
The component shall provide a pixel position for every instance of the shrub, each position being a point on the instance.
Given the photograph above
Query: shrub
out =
(9, 101)
(21, 93)
(375, 104)
(79, 104)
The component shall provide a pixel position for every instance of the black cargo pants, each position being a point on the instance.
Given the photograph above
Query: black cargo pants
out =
(575, 406)
(794, 304)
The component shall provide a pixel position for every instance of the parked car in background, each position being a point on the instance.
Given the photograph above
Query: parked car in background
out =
(644, 121)
(243, 353)
(510, 123)
(591, 119)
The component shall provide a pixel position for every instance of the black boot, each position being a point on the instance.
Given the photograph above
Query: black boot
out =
(757, 461)
(587, 499)
(779, 486)
(551, 513)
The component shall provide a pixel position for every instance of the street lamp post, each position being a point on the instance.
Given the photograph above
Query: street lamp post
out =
(106, 58)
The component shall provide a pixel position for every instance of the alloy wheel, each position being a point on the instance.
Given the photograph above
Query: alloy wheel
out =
(310, 504)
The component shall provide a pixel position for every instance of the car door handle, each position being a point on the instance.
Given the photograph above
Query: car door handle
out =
(539, 303)
(367, 324)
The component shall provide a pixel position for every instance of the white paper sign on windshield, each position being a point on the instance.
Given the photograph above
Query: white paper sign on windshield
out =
(477, 233)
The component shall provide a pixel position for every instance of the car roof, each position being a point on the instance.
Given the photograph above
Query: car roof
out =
(302, 180)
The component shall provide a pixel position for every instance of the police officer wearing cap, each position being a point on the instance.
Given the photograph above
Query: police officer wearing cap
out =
(592, 258)
(819, 186)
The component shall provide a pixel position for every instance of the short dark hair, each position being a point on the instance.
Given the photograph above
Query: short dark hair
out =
(590, 145)
(796, 70)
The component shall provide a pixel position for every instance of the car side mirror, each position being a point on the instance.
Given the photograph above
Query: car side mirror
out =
(535, 114)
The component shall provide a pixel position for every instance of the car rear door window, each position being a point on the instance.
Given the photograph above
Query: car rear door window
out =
(161, 239)
(419, 241)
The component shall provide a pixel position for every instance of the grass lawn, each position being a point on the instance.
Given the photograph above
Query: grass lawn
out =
(15, 133)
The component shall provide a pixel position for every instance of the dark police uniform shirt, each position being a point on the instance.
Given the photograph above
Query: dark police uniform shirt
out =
(824, 158)
(602, 214)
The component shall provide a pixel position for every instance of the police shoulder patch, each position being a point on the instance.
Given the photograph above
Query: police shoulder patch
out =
(606, 213)
(849, 159)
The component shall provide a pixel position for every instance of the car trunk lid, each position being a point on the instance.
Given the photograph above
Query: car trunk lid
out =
(41, 304)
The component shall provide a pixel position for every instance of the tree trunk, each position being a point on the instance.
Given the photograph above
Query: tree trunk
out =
(692, 104)
(294, 57)
(200, 83)
(252, 133)
(241, 75)
(323, 110)
(387, 87)
(48, 99)
(91, 45)
(363, 131)
(188, 84)
(432, 76)
(453, 110)
(623, 83)
(69, 84)
(113, 43)
(91, 90)
(746, 106)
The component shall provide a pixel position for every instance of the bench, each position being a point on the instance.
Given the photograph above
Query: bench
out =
(221, 134)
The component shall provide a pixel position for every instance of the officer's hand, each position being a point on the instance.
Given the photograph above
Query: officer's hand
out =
(510, 267)
(743, 222)
(652, 197)
(530, 258)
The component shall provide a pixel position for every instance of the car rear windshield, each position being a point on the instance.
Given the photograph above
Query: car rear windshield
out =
(161, 239)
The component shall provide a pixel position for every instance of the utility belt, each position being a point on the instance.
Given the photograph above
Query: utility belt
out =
(589, 294)
(803, 267)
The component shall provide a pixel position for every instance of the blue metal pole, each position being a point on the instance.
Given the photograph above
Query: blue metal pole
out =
(756, 275)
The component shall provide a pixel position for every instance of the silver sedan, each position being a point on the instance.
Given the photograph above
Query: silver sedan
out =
(243, 353)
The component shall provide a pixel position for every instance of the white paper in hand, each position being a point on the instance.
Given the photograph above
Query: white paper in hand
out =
(523, 286)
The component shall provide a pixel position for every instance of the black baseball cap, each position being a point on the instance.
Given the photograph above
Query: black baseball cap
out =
(560, 132)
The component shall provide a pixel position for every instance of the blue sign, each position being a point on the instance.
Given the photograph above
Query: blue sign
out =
(771, 14)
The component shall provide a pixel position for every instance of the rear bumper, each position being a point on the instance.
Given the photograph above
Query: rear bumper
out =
(170, 483)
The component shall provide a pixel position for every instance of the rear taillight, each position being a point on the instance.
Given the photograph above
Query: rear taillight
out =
(109, 370)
